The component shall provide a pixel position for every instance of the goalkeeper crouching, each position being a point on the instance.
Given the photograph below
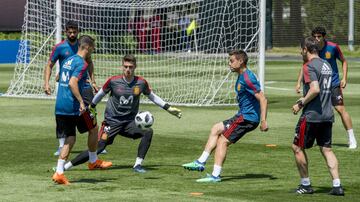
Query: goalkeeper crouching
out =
(120, 112)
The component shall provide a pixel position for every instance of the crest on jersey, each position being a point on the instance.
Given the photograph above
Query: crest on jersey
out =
(238, 87)
(136, 90)
(327, 55)
(67, 53)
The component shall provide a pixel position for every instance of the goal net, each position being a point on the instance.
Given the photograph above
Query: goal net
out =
(181, 45)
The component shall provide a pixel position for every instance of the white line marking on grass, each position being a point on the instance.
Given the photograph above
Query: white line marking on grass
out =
(276, 88)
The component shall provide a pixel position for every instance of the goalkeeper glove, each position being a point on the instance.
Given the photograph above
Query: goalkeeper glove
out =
(92, 109)
(173, 110)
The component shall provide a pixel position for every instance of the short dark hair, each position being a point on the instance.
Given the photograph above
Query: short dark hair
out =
(311, 44)
(318, 30)
(240, 54)
(86, 40)
(71, 24)
(129, 58)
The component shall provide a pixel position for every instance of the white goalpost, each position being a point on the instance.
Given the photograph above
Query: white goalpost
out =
(181, 45)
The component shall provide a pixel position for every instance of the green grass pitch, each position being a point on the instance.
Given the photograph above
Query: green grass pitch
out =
(252, 171)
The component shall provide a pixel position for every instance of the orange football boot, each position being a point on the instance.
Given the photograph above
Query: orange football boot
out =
(99, 164)
(60, 179)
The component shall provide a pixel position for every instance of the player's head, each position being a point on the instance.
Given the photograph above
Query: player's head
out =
(309, 45)
(319, 33)
(237, 59)
(318, 30)
(71, 30)
(128, 65)
(86, 44)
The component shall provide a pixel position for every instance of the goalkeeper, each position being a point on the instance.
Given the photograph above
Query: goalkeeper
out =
(120, 112)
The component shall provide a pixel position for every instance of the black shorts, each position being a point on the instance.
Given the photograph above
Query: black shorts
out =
(306, 133)
(236, 127)
(66, 124)
(87, 95)
(337, 97)
(126, 129)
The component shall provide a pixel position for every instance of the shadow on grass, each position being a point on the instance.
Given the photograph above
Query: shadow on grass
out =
(324, 190)
(146, 167)
(340, 145)
(247, 176)
(93, 181)
(317, 190)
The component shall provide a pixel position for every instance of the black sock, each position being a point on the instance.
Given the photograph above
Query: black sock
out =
(145, 144)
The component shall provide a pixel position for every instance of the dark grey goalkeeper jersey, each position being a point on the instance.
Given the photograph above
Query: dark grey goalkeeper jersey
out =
(123, 103)
(320, 108)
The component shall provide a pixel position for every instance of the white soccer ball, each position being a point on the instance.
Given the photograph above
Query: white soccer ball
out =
(144, 120)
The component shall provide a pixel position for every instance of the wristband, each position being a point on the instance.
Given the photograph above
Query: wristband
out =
(300, 104)
(166, 106)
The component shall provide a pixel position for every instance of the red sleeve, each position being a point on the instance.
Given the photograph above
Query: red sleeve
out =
(83, 70)
(340, 54)
(306, 73)
(107, 87)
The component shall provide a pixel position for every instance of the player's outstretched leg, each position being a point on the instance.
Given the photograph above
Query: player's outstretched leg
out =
(209, 178)
(83, 157)
(194, 166)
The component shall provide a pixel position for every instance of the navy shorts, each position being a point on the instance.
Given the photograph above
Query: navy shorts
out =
(306, 133)
(236, 127)
(337, 97)
(126, 129)
(66, 124)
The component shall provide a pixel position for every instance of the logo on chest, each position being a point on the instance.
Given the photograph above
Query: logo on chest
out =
(327, 55)
(126, 101)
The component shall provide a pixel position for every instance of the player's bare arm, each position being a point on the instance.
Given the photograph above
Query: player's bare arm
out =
(313, 92)
(73, 84)
(343, 81)
(91, 73)
(263, 110)
(47, 74)
(298, 84)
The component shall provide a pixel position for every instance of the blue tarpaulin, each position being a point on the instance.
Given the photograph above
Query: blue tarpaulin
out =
(9, 50)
